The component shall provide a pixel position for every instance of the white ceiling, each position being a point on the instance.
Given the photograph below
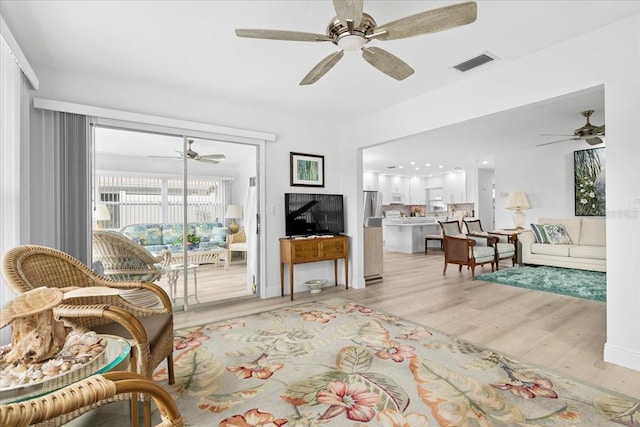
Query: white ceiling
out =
(191, 46)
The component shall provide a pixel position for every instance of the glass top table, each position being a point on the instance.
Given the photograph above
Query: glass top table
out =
(116, 351)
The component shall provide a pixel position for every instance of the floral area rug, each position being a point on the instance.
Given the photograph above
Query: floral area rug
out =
(564, 281)
(338, 363)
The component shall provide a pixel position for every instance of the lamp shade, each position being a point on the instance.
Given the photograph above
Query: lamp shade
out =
(518, 201)
(233, 211)
(102, 212)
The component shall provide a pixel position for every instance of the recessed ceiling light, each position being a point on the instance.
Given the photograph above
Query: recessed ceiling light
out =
(417, 169)
(441, 166)
(413, 163)
(428, 164)
(484, 162)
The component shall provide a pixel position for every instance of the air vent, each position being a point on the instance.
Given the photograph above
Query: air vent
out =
(473, 62)
(391, 167)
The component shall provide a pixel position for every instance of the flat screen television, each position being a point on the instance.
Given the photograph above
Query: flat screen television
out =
(313, 214)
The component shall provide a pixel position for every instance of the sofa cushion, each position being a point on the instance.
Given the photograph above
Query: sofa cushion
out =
(144, 234)
(545, 249)
(171, 233)
(557, 234)
(572, 225)
(539, 233)
(587, 251)
(593, 232)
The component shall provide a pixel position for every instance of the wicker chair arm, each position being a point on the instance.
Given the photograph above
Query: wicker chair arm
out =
(90, 391)
(132, 285)
(164, 258)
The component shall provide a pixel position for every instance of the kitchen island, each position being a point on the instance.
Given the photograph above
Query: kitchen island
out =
(407, 234)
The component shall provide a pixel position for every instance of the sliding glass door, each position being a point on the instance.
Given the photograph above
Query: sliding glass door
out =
(181, 194)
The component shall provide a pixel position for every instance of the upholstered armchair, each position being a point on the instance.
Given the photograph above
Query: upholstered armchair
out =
(504, 248)
(235, 242)
(82, 396)
(462, 250)
(150, 330)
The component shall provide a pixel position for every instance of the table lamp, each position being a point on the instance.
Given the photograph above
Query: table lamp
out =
(102, 213)
(518, 202)
(233, 212)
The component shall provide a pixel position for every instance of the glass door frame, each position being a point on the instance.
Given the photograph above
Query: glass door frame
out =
(185, 134)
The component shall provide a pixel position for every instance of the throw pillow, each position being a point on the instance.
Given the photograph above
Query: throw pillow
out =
(539, 233)
(557, 234)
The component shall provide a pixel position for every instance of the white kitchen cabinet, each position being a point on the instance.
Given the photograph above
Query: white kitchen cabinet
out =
(393, 186)
(417, 192)
(454, 188)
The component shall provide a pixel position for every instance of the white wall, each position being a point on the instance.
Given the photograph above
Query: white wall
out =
(315, 137)
(609, 56)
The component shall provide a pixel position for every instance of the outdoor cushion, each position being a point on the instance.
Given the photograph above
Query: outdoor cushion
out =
(585, 251)
(545, 249)
(593, 232)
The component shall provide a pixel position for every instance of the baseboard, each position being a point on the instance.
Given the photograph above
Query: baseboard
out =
(622, 356)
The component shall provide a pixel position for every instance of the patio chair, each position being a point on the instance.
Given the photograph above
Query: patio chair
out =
(504, 248)
(462, 250)
(235, 243)
(123, 259)
(85, 395)
(150, 330)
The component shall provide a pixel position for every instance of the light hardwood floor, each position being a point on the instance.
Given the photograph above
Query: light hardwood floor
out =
(562, 333)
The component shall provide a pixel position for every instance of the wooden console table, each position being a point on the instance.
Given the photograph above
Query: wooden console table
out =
(298, 251)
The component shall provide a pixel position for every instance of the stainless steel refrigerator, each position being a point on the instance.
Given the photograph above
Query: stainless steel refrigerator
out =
(372, 235)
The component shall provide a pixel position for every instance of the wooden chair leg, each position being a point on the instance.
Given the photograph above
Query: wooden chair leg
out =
(172, 378)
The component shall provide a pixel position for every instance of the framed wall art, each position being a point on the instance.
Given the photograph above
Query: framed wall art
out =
(589, 182)
(307, 170)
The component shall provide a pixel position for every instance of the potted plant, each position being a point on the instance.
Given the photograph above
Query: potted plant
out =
(192, 240)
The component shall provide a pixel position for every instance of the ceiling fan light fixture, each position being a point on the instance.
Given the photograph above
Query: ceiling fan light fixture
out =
(351, 42)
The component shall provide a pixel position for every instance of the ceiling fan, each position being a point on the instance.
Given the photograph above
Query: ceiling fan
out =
(206, 158)
(352, 29)
(590, 133)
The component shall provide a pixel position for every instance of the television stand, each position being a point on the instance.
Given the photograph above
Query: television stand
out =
(300, 251)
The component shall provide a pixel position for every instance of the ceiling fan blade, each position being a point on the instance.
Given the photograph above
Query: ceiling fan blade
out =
(322, 68)
(594, 141)
(213, 156)
(165, 157)
(555, 134)
(389, 64)
(282, 35)
(212, 161)
(599, 130)
(430, 21)
(560, 140)
(349, 11)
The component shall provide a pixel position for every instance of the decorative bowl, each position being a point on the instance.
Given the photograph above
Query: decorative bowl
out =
(315, 285)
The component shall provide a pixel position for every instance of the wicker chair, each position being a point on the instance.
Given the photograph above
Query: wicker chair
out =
(504, 248)
(149, 329)
(123, 259)
(85, 395)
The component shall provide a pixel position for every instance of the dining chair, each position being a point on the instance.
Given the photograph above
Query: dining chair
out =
(504, 249)
(62, 405)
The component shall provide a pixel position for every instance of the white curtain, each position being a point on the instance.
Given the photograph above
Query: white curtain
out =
(60, 190)
(251, 230)
(14, 134)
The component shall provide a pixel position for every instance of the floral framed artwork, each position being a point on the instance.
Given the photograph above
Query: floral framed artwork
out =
(307, 170)
(589, 182)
